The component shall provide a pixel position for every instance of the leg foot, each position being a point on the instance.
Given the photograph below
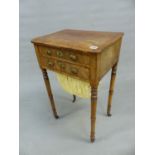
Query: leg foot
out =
(92, 140)
(109, 115)
(57, 117)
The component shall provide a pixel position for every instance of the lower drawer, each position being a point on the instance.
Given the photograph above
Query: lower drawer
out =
(65, 68)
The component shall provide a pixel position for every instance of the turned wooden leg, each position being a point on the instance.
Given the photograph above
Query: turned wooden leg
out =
(111, 89)
(49, 91)
(74, 98)
(93, 112)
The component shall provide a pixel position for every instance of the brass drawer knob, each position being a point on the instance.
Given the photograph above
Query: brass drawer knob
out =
(49, 52)
(61, 65)
(73, 57)
(50, 64)
(59, 53)
(74, 70)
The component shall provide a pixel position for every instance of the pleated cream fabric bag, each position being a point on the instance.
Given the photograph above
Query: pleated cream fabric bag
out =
(74, 86)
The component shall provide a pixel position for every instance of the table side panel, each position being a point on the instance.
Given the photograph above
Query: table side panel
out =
(108, 58)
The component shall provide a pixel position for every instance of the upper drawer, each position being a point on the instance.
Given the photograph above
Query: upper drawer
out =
(65, 54)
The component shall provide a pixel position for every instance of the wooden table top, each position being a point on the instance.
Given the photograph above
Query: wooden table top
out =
(86, 41)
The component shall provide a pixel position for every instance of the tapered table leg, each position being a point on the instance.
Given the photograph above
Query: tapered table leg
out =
(111, 89)
(93, 112)
(49, 91)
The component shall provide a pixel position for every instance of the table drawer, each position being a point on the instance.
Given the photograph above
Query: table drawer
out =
(67, 55)
(64, 67)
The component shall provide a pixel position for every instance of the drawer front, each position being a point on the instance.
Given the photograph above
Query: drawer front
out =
(67, 68)
(64, 54)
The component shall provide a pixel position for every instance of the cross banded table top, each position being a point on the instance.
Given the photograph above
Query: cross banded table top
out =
(86, 41)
